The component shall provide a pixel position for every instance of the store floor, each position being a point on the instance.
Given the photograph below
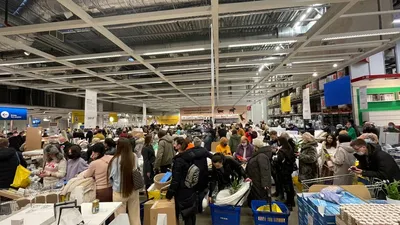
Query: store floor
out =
(246, 217)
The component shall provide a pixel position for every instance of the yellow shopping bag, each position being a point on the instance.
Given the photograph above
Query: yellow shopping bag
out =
(21, 178)
(265, 208)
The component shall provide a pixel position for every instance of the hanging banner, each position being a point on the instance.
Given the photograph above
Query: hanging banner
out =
(306, 104)
(13, 113)
(90, 109)
(363, 98)
(285, 104)
(323, 106)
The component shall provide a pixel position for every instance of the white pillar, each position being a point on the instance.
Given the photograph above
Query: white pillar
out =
(397, 54)
(30, 121)
(144, 119)
(377, 64)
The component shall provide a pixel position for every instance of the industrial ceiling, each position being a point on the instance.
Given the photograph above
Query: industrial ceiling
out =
(162, 53)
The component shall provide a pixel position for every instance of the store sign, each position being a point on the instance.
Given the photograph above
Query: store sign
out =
(363, 98)
(53, 129)
(306, 104)
(90, 109)
(13, 113)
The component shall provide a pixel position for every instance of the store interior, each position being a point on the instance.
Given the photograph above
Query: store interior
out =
(199, 112)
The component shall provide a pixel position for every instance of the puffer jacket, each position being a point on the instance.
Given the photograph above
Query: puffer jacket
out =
(308, 161)
(259, 170)
(234, 142)
(343, 160)
(165, 152)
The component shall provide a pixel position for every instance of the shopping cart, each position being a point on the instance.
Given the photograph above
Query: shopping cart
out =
(375, 186)
(323, 180)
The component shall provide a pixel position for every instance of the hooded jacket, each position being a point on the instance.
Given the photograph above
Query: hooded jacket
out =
(9, 163)
(343, 160)
(200, 160)
(308, 161)
(165, 152)
(224, 177)
(185, 198)
(378, 164)
(259, 170)
(234, 142)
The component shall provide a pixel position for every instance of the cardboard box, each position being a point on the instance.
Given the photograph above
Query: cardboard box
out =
(147, 207)
(33, 139)
(360, 191)
(163, 206)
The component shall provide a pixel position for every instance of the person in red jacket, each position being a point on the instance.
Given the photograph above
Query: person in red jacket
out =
(248, 134)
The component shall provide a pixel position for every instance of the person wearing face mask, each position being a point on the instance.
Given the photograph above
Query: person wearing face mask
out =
(392, 128)
(98, 170)
(351, 129)
(223, 147)
(224, 171)
(75, 164)
(373, 162)
(245, 150)
(343, 160)
(55, 167)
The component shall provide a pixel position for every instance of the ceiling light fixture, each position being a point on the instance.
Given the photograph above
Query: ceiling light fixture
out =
(20, 63)
(247, 64)
(317, 61)
(175, 51)
(194, 68)
(360, 35)
(309, 10)
(334, 65)
(396, 21)
(94, 57)
(260, 69)
(262, 43)
(277, 48)
(315, 74)
(27, 53)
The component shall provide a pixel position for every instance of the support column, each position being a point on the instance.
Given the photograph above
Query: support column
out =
(144, 119)
(30, 121)
(397, 55)
(377, 64)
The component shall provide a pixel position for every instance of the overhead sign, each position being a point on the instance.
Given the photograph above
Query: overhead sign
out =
(13, 113)
(285, 104)
(90, 109)
(306, 104)
(363, 98)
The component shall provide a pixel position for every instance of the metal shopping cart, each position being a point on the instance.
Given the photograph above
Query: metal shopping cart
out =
(323, 180)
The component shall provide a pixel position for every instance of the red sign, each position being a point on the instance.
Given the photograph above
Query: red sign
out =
(249, 108)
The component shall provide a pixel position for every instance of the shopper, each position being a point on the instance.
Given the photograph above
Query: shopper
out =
(189, 142)
(258, 170)
(285, 158)
(200, 160)
(210, 138)
(120, 174)
(98, 134)
(185, 197)
(165, 153)
(132, 139)
(249, 134)
(392, 128)
(245, 150)
(89, 136)
(224, 171)
(370, 128)
(98, 170)
(149, 158)
(16, 141)
(110, 145)
(9, 160)
(343, 160)
(223, 147)
(327, 151)
(234, 141)
(139, 143)
(55, 167)
(273, 138)
(64, 145)
(351, 129)
(75, 164)
(373, 162)
(308, 158)
(222, 131)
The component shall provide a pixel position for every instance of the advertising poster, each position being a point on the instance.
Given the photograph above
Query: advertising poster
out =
(306, 104)
(90, 109)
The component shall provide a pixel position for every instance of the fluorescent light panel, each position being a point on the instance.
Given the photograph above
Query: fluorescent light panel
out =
(94, 57)
(20, 63)
(262, 43)
(175, 51)
(360, 35)
(194, 68)
(246, 64)
(317, 61)
(396, 21)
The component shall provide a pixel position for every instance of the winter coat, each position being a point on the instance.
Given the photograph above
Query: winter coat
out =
(138, 147)
(111, 151)
(89, 136)
(149, 158)
(308, 161)
(222, 132)
(352, 133)
(259, 171)
(9, 163)
(378, 164)
(234, 142)
(208, 141)
(325, 156)
(200, 160)
(249, 151)
(249, 137)
(285, 161)
(342, 161)
(16, 142)
(223, 178)
(185, 198)
(226, 150)
(133, 143)
(165, 152)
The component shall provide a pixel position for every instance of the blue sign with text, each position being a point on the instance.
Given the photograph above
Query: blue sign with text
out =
(13, 113)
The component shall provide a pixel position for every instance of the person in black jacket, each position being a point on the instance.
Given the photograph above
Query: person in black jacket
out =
(200, 160)
(373, 162)
(210, 138)
(149, 158)
(15, 141)
(89, 136)
(225, 170)
(222, 131)
(9, 160)
(185, 197)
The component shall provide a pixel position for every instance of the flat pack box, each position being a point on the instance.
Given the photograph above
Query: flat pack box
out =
(146, 211)
(166, 207)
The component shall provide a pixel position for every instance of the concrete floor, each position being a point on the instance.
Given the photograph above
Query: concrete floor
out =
(246, 217)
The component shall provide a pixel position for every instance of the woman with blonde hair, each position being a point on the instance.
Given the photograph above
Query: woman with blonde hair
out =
(308, 158)
(223, 147)
(245, 150)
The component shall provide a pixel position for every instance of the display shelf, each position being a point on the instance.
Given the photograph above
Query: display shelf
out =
(274, 105)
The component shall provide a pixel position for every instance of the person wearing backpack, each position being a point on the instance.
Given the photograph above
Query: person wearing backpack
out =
(185, 176)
